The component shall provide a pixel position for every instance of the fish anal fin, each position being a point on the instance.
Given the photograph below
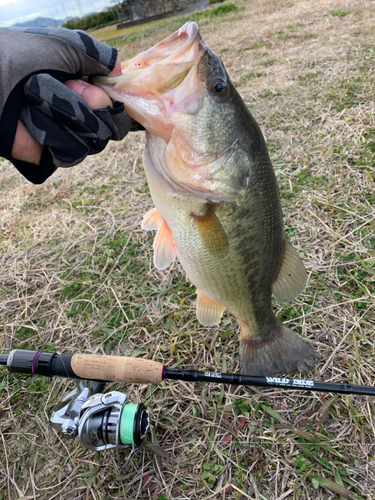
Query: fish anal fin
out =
(291, 278)
(164, 247)
(280, 352)
(151, 220)
(208, 313)
(211, 232)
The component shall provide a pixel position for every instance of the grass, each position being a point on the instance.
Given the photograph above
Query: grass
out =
(339, 13)
(77, 275)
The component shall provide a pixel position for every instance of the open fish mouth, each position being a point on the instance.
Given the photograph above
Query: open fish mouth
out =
(169, 90)
(150, 82)
(168, 62)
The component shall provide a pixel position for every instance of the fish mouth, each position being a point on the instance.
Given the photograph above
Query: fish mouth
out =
(160, 80)
(164, 89)
(168, 62)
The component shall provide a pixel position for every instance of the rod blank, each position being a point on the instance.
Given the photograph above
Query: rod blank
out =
(268, 382)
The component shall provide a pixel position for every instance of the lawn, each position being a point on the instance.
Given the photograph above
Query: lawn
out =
(77, 276)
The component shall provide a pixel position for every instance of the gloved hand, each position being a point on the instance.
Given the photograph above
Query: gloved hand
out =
(34, 63)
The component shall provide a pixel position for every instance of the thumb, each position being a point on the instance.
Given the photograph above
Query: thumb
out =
(95, 97)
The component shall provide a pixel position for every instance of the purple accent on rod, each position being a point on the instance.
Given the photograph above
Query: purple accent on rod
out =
(33, 361)
(163, 373)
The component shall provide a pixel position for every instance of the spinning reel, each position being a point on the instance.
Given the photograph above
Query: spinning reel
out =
(100, 421)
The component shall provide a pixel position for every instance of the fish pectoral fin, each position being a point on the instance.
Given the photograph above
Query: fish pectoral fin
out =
(211, 232)
(151, 220)
(208, 313)
(164, 247)
(291, 278)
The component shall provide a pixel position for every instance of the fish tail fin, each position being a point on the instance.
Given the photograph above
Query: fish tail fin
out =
(280, 352)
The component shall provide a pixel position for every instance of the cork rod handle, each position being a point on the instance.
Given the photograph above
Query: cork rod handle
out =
(116, 368)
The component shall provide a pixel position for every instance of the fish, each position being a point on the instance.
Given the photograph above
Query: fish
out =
(217, 205)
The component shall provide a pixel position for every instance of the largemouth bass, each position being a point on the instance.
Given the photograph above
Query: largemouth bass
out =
(217, 206)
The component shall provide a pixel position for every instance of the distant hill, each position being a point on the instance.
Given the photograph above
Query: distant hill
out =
(44, 22)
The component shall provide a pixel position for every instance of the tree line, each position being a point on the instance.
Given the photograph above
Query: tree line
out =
(93, 20)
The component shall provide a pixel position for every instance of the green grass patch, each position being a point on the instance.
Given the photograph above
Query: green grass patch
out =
(269, 63)
(255, 46)
(200, 15)
(308, 78)
(339, 13)
(346, 93)
(120, 41)
(250, 76)
(293, 27)
(223, 9)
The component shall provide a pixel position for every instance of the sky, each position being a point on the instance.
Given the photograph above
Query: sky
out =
(19, 11)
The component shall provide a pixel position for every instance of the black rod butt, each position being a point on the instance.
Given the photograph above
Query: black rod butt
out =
(3, 359)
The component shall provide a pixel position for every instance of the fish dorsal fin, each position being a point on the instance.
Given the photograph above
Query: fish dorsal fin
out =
(291, 278)
(211, 232)
(151, 220)
(164, 248)
(208, 313)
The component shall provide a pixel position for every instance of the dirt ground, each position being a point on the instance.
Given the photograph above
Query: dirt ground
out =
(76, 275)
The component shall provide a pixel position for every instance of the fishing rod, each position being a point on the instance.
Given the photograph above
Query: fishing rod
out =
(102, 421)
(135, 370)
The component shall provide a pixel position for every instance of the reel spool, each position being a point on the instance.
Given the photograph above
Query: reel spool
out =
(101, 421)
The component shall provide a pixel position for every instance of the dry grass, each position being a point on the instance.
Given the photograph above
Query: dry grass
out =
(76, 275)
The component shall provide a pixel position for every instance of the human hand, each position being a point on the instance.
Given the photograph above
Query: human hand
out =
(28, 149)
(44, 123)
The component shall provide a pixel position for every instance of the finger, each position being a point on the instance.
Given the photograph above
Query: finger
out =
(95, 97)
(25, 147)
(117, 69)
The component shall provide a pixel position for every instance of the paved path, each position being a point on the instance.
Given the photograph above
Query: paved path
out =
(198, 5)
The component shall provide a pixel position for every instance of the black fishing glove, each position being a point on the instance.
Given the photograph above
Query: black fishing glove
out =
(33, 64)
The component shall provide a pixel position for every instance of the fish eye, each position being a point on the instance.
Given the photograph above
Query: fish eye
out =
(219, 88)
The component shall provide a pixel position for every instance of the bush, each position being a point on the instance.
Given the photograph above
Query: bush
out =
(92, 21)
(223, 9)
